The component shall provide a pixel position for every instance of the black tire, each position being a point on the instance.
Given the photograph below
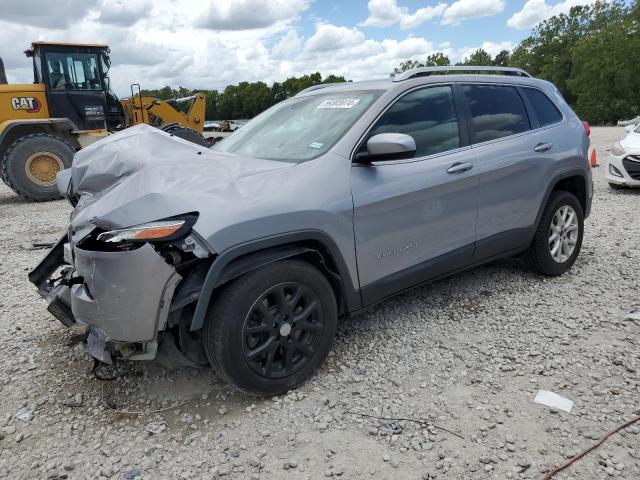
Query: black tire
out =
(251, 303)
(539, 255)
(615, 186)
(19, 153)
(189, 134)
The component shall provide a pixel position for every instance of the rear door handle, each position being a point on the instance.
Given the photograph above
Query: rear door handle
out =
(542, 147)
(460, 167)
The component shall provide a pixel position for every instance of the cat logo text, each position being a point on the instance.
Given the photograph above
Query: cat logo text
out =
(28, 104)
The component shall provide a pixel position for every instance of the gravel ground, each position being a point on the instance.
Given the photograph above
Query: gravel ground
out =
(468, 354)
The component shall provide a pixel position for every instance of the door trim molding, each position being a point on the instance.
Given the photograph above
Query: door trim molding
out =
(416, 275)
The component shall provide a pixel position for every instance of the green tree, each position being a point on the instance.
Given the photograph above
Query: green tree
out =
(334, 79)
(478, 58)
(604, 82)
(502, 59)
(406, 65)
(591, 55)
(547, 53)
(438, 59)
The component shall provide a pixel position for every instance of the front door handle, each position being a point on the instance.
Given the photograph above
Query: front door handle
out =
(542, 147)
(460, 167)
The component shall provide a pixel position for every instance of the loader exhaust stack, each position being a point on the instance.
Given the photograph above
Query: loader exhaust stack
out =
(3, 75)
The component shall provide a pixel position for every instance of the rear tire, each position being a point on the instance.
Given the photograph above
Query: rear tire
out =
(270, 329)
(31, 164)
(558, 238)
(189, 134)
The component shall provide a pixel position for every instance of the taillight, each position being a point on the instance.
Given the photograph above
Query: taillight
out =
(587, 128)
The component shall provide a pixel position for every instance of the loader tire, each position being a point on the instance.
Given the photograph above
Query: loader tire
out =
(189, 134)
(31, 164)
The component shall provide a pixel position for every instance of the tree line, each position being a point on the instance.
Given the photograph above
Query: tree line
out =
(592, 54)
(247, 99)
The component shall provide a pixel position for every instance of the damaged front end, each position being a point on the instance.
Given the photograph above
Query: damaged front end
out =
(138, 246)
(122, 284)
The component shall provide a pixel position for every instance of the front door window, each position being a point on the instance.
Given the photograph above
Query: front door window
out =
(428, 115)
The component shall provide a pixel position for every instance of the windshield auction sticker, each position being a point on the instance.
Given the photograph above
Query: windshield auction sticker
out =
(339, 103)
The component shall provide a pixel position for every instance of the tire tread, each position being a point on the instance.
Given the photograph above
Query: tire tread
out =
(6, 177)
(227, 298)
(540, 238)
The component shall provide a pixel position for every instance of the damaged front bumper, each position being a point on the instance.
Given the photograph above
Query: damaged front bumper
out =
(123, 297)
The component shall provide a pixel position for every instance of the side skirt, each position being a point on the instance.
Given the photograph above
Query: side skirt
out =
(465, 258)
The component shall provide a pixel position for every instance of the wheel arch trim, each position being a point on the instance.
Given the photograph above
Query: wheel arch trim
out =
(575, 172)
(261, 252)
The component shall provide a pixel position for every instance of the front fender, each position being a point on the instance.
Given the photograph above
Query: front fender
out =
(242, 258)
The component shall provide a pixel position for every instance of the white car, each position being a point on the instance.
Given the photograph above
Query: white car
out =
(624, 162)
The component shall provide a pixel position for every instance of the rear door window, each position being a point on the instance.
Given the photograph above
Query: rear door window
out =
(428, 115)
(497, 111)
(544, 108)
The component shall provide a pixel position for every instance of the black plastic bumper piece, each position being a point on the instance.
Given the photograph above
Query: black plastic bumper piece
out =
(61, 311)
(39, 276)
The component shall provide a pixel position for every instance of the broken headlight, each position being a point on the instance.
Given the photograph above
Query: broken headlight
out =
(158, 231)
(145, 232)
(166, 235)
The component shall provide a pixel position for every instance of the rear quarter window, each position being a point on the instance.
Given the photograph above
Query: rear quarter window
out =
(544, 108)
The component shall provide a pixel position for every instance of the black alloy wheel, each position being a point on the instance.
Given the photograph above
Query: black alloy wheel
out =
(282, 330)
(267, 331)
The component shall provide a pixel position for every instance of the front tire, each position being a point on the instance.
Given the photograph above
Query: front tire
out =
(615, 186)
(270, 329)
(31, 164)
(558, 238)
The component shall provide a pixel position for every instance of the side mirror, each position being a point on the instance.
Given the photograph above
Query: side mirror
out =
(388, 146)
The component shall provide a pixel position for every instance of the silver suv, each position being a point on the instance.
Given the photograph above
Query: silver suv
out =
(244, 257)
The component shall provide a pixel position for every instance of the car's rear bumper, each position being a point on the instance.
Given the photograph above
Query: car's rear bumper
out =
(123, 297)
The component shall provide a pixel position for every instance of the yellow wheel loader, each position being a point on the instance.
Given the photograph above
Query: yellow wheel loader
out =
(69, 106)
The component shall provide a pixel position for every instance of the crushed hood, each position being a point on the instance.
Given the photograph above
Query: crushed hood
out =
(143, 174)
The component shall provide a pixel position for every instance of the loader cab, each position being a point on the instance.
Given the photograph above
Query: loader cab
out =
(77, 84)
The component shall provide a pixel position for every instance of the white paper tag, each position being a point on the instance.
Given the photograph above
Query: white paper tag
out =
(553, 400)
(315, 145)
(339, 103)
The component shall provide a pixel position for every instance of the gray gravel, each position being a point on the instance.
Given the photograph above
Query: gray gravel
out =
(467, 354)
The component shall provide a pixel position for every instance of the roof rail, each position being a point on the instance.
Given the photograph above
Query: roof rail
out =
(315, 87)
(426, 71)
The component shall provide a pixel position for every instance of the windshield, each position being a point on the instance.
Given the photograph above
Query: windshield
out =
(299, 129)
(72, 71)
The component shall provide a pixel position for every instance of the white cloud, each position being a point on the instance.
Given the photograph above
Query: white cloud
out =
(462, 10)
(384, 13)
(249, 14)
(535, 11)
(123, 12)
(345, 51)
(288, 45)
(165, 47)
(58, 14)
(330, 37)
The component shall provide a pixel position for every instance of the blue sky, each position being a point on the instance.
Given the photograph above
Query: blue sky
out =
(469, 33)
(214, 43)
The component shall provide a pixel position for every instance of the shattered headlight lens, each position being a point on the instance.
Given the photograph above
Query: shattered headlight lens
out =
(617, 149)
(160, 230)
